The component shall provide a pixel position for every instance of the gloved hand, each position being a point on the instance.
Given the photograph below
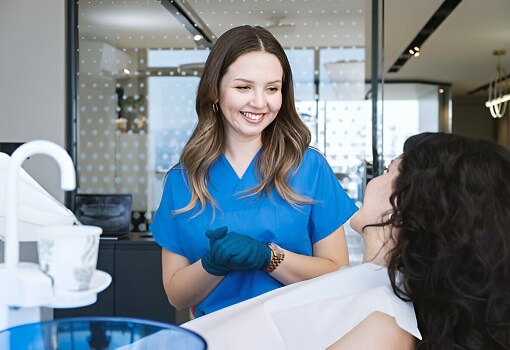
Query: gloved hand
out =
(239, 252)
(209, 262)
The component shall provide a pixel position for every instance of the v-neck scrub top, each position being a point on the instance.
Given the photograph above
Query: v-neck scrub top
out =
(264, 218)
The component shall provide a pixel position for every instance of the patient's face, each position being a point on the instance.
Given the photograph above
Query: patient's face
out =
(376, 204)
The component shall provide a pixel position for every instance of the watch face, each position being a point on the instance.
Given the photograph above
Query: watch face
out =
(277, 248)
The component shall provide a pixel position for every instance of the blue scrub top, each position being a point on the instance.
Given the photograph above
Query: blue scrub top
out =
(265, 218)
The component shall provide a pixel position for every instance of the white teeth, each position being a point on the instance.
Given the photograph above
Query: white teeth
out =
(252, 116)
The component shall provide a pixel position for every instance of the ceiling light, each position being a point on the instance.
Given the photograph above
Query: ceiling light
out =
(499, 92)
(415, 51)
(430, 27)
(198, 37)
(498, 100)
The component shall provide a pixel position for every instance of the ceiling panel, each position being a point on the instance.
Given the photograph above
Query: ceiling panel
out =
(459, 52)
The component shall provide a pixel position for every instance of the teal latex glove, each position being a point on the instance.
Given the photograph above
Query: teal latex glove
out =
(209, 262)
(239, 252)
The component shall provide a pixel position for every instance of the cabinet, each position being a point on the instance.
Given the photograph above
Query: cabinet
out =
(136, 289)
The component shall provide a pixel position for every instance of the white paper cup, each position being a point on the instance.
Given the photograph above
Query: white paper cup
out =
(68, 255)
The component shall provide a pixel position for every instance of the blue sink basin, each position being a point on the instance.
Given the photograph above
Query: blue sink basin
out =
(100, 333)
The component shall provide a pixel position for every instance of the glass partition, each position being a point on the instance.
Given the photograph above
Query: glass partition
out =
(138, 70)
(139, 64)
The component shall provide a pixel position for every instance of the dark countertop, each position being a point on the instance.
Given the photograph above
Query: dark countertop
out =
(133, 236)
(133, 239)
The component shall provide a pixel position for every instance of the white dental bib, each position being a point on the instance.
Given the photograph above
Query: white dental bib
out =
(311, 314)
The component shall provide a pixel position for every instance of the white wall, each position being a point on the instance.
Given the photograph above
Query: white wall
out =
(32, 80)
(32, 88)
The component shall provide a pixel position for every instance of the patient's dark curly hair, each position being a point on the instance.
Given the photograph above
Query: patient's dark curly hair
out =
(452, 215)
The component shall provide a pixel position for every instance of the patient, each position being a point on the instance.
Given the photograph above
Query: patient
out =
(436, 228)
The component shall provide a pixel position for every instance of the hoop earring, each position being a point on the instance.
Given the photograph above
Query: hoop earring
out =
(390, 216)
(215, 108)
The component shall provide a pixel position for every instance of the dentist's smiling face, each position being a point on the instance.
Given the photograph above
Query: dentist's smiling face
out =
(250, 95)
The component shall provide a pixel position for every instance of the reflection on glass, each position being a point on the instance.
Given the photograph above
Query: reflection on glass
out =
(139, 69)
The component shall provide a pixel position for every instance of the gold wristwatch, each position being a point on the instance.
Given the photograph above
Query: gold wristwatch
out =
(277, 256)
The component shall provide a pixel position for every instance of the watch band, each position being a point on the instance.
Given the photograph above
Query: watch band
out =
(277, 256)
